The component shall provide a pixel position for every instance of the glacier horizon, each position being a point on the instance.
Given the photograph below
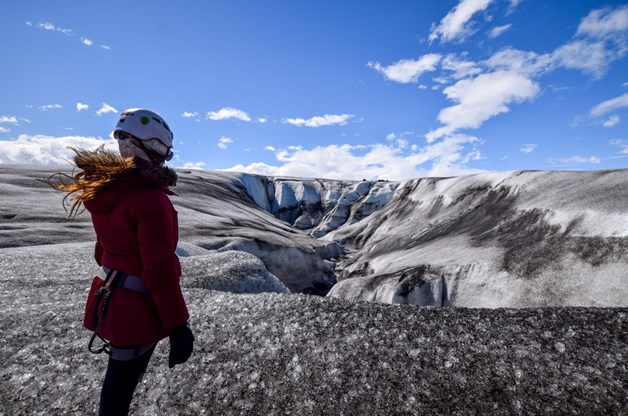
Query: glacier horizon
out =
(503, 239)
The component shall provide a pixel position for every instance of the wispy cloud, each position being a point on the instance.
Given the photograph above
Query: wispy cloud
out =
(407, 70)
(228, 113)
(513, 5)
(5, 130)
(105, 108)
(457, 68)
(529, 148)
(51, 27)
(262, 120)
(8, 119)
(224, 142)
(610, 105)
(589, 57)
(604, 23)
(318, 121)
(456, 24)
(193, 165)
(499, 30)
(81, 106)
(189, 114)
(601, 38)
(481, 98)
(50, 107)
(611, 121)
(68, 32)
(623, 145)
(47, 150)
(574, 160)
(527, 63)
(448, 157)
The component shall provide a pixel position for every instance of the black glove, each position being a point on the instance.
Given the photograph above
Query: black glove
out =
(181, 344)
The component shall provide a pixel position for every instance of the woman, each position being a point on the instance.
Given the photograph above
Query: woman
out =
(135, 300)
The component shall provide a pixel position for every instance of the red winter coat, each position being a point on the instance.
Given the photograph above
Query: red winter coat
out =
(137, 232)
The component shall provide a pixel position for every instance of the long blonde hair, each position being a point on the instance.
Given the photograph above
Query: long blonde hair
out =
(99, 170)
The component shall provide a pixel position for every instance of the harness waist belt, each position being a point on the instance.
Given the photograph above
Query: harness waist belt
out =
(129, 282)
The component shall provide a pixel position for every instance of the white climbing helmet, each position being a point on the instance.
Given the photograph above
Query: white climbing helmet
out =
(145, 125)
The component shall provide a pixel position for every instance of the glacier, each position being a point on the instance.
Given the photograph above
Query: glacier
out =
(497, 293)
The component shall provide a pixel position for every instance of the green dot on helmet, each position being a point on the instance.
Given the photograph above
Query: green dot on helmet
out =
(144, 120)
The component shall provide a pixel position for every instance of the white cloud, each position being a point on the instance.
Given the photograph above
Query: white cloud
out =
(106, 108)
(610, 105)
(461, 68)
(380, 161)
(270, 148)
(603, 39)
(499, 30)
(623, 146)
(522, 62)
(8, 119)
(50, 107)
(528, 148)
(318, 121)
(65, 31)
(46, 26)
(193, 165)
(400, 140)
(574, 160)
(407, 70)
(481, 98)
(81, 106)
(262, 120)
(51, 26)
(189, 114)
(604, 23)
(455, 25)
(5, 130)
(227, 113)
(513, 5)
(224, 142)
(47, 150)
(590, 57)
(611, 121)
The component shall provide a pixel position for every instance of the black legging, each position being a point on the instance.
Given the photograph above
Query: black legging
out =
(120, 382)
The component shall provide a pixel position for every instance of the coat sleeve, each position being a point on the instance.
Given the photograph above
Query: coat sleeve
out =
(157, 232)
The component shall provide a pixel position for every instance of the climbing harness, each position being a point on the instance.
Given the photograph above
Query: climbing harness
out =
(113, 279)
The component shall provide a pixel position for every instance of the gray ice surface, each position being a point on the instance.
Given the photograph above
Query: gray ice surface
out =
(546, 242)
(286, 354)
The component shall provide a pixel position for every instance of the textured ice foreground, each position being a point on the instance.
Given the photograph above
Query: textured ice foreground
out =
(280, 354)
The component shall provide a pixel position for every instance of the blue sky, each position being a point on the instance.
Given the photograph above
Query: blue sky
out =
(335, 89)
